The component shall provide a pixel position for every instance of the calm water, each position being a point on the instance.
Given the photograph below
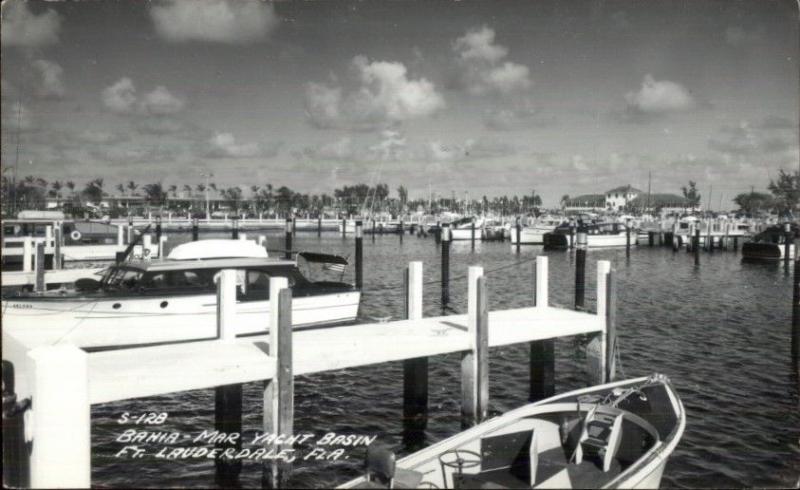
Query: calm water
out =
(721, 332)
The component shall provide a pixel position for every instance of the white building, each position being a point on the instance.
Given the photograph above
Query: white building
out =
(619, 197)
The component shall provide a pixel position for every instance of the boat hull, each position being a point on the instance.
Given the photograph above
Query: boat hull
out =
(766, 251)
(110, 322)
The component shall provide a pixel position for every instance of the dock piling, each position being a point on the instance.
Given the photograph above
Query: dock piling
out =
(158, 234)
(472, 234)
(796, 311)
(402, 230)
(27, 254)
(344, 227)
(437, 236)
(120, 235)
(373, 230)
(279, 391)
(580, 270)
(611, 326)
(359, 255)
(541, 363)
(61, 418)
(415, 371)
(195, 230)
(518, 226)
(787, 245)
(287, 254)
(319, 225)
(696, 246)
(628, 237)
(475, 362)
(234, 227)
(39, 285)
(58, 241)
(445, 232)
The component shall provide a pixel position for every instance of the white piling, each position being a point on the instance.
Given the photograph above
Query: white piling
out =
(226, 306)
(61, 456)
(27, 254)
(542, 292)
(603, 268)
(475, 361)
(48, 236)
(262, 241)
(415, 290)
(161, 242)
(120, 234)
(147, 245)
(242, 236)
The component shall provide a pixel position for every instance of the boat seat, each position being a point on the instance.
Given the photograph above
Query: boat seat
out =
(382, 472)
(505, 463)
(602, 429)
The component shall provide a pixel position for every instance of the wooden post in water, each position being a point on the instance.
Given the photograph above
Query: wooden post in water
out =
(287, 242)
(235, 228)
(651, 238)
(279, 391)
(696, 246)
(475, 361)
(472, 234)
(787, 245)
(131, 230)
(542, 353)
(373, 230)
(611, 326)
(228, 398)
(415, 371)
(402, 230)
(580, 270)
(61, 450)
(319, 225)
(294, 225)
(518, 226)
(359, 255)
(158, 234)
(195, 229)
(709, 237)
(344, 226)
(628, 237)
(603, 268)
(445, 266)
(58, 242)
(437, 236)
(39, 284)
(796, 312)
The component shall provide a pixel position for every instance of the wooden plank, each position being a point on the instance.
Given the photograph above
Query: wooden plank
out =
(475, 361)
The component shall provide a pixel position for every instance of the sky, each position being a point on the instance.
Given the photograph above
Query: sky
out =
(486, 97)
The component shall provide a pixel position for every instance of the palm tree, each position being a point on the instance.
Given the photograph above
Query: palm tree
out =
(187, 189)
(121, 188)
(173, 189)
(132, 186)
(71, 186)
(56, 185)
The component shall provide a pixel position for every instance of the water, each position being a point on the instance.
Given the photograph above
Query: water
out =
(721, 332)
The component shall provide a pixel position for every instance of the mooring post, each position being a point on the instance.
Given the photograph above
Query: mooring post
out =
(796, 312)
(709, 237)
(603, 268)
(158, 234)
(787, 238)
(39, 284)
(580, 269)
(475, 361)
(287, 239)
(195, 230)
(58, 242)
(16, 459)
(27, 254)
(61, 450)
(541, 363)
(234, 227)
(48, 236)
(131, 230)
(438, 234)
(402, 230)
(696, 246)
(344, 226)
(228, 398)
(319, 225)
(294, 225)
(518, 227)
(359, 255)
(611, 326)
(472, 234)
(651, 238)
(445, 266)
(279, 391)
(415, 371)
(628, 237)
(726, 239)
(373, 230)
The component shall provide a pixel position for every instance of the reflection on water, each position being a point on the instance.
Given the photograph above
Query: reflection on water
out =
(721, 331)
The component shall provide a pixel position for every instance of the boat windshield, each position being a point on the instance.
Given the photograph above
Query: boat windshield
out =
(123, 278)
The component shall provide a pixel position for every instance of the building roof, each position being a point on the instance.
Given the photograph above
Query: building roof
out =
(624, 188)
(660, 200)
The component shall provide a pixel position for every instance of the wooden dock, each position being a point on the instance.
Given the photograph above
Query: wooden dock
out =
(64, 381)
(60, 276)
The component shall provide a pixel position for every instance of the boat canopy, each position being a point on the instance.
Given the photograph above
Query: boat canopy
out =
(218, 249)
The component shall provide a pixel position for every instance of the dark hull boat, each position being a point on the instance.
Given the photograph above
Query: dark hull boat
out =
(769, 245)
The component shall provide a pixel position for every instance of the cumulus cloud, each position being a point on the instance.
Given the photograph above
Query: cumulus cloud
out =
(525, 116)
(659, 97)
(121, 98)
(483, 70)
(224, 145)
(746, 140)
(470, 149)
(49, 81)
(384, 96)
(222, 21)
(22, 28)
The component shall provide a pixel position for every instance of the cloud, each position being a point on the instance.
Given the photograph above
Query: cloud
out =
(100, 137)
(17, 117)
(22, 28)
(659, 97)
(514, 118)
(224, 145)
(771, 137)
(777, 122)
(120, 97)
(384, 96)
(483, 70)
(739, 36)
(390, 146)
(469, 150)
(161, 102)
(221, 21)
(49, 82)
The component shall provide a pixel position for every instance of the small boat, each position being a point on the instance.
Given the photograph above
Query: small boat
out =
(534, 234)
(770, 244)
(617, 435)
(494, 230)
(461, 229)
(598, 235)
(151, 302)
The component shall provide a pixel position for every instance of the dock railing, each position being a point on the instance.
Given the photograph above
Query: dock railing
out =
(64, 381)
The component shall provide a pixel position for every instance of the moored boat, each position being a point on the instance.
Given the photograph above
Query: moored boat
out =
(770, 244)
(598, 235)
(534, 234)
(151, 302)
(617, 435)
